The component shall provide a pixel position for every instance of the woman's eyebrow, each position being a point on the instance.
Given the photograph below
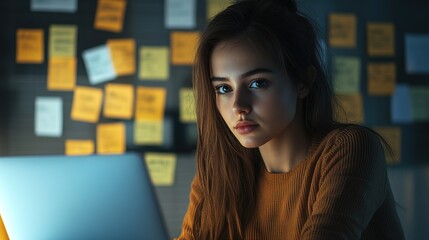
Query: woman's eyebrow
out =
(244, 75)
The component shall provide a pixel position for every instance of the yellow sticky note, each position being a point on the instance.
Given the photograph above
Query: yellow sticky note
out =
(183, 47)
(187, 105)
(150, 103)
(381, 78)
(79, 147)
(346, 74)
(110, 15)
(216, 6)
(154, 63)
(118, 101)
(86, 104)
(122, 52)
(61, 73)
(148, 132)
(62, 40)
(393, 137)
(342, 30)
(350, 109)
(381, 39)
(111, 138)
(161, 168)
(29, 46)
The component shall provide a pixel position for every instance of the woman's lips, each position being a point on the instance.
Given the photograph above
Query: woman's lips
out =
(244, 127)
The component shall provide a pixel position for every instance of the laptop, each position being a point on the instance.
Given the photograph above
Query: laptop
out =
(80, 197)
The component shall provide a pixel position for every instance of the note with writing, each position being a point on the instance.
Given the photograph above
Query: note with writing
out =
(111, 138)
(216, 6)
(187, 105)
(180, 14)
(86, 104)
(62, 40)
(75, 147)
(420, 103)
(148, 132)
(350, 109)
(61, 73)
(417, 53)
(162, 167)
(122, 52)
(393, 137)
(69, 6)
(110, 15)
(150, 103)
(400, 104)
(346, 74)
(118, 100)
(48, 117)
(154, 63)
(183, 47)
(342, 30)
(98, 63)
(381, 39)
(381, 78)
(29, 46)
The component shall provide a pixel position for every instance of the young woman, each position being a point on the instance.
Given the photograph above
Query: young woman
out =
(271, 161)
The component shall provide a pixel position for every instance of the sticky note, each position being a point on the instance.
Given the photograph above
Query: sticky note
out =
(69, 6)
(61, 73)
(79, 147)
(111, 138)
(86, 104)
(48, 119)
(381, 39)
(216, 6)
(150, 103)
(29, 46)
(381, 78)
(148, 132)
(62, 40)
(346, 74)
(417, 53)
(122, 52)
(161, 168)
(401, 104)
(180, 14)
(110, 15)
(393, 137)
(187, 105)
(342, 30)
(183, 47)
(118, 101)
(154, 64)
(98, 63)
(350, 109)
(420, 103)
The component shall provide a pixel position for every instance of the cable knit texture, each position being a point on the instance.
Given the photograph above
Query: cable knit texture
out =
(340, 191)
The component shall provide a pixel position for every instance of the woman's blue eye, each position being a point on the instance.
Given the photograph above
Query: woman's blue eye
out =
(222, 89)
(259, 83)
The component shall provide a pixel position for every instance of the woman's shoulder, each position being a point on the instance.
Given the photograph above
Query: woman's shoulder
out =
(351, 134)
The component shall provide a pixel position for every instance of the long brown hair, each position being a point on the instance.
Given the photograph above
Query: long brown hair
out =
(227, 171)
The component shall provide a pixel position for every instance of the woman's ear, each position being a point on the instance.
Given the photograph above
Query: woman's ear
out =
(308, 80)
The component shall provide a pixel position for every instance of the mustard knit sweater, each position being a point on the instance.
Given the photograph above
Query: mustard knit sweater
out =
(340, 191)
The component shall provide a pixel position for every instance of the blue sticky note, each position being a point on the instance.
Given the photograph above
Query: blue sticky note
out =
(417, 53)
(401, 105)
(69, 6)
(99, 65)
(48, 121)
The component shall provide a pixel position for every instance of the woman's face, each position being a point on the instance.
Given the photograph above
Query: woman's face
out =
(254, 95)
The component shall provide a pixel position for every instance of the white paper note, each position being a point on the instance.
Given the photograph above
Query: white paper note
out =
(98, 63)
(180, 14)
(49, 117)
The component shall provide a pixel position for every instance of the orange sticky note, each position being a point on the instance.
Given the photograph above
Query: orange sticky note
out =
(381, 78)
(61, 73)
(381, 39)
(118, 101)
(150, 103)
(183, 47)
(86, 104)
(350, 109)
(110, 15)
(79, 147)
(29, 46)
(62, 40)
(342, 30)
(148, 132)
(187, 105)
(123, 54)
(111, 138)
(393, 137)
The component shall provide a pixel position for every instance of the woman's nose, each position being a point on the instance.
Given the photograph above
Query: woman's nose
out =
(242, 102)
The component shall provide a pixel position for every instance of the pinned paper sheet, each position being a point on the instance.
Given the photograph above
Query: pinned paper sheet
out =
(154, 63)
(86, 104)
(350, 109)
(69, 6)
(381, 78)
(393, 137)
(216, 6)
(148, 132)
(79, 147)
(110, 15)
(118, 101)
(123, 55)
(161, 168)
(183, 47)
(187, 105)
(381, 39)
(61, 73)
(420, 103)
(346, 75)
(49, 117)
(401, 105)
(150, 103)
(342, 30)
(62, 40)
(29, 46)
(417, 53)
(98, 63)
(111, 138)
(180, 14)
